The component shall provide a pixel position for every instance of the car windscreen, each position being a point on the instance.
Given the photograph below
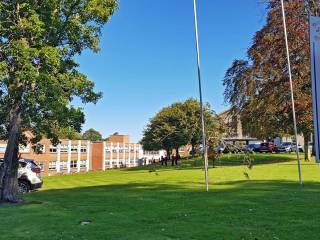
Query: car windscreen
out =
(286, 144)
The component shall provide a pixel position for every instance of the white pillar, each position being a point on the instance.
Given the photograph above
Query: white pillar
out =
(88, 156)
(58, 158)
(135, 154)
(111, 155)
(129, 155)
(69, 157)
(124, 153)
(104, 157)
(79, 155)
(118, 155)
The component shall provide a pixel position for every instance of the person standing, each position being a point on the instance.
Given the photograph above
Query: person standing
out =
(177, 158)
(173, 159)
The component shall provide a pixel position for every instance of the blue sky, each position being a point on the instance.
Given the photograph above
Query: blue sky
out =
(147, 58)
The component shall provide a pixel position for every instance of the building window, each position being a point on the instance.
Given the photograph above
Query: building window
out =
(64, 148)
(114, 150)
(107, 149)
(83, 149)
(107, 163)
(53, 149)
(132, 150)
(83, 163)
(74, 148)
(53, 165)
(63, 165)
(73, 164)
(3, 148)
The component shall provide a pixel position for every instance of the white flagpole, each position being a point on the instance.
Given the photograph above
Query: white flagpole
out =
(204, 141)
(291, 88)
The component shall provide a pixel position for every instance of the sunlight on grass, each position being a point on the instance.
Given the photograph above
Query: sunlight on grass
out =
(157, 202)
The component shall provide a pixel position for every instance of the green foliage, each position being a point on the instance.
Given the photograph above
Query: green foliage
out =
(39, 76)
(180, 124)
(92, 135)
(166, 130)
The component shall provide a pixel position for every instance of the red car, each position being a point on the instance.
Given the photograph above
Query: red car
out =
(266, 147)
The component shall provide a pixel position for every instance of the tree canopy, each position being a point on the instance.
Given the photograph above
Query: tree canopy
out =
(39, 76)
(92, 135)
(257, 88)
(178, 125)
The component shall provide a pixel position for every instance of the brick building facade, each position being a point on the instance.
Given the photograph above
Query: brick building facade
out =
(73, 156)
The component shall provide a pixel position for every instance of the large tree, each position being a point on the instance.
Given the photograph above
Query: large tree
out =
(166, 130)
(180, 124)
(258, 87)
(39, 77)
(92, 135)
(213, 125)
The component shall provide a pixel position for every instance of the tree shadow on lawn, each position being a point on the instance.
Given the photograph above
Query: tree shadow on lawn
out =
(224, 161)
(231, 210)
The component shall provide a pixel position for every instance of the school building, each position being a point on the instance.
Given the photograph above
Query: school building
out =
(74, 156)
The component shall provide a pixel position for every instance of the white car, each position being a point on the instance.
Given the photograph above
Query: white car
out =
(28, 175)
(289, 147)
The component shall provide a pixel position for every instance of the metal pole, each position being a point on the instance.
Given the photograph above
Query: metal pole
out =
(204, 141)
(291, 88)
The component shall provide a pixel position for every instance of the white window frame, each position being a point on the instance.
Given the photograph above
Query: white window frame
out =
(52, 165)
(63, 165)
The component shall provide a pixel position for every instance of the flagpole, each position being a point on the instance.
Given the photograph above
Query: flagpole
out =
(291, 88)
(204, 141)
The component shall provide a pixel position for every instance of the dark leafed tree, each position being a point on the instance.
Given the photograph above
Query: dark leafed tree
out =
(92, 135)
(38, 74)
(259, 89)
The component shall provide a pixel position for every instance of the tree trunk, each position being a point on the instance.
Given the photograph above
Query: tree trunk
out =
(9, 169)
(307, 155)
(193, 150)
(313, 146)
(168, 154)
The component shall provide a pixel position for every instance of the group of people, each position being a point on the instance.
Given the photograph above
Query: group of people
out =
(174, 160)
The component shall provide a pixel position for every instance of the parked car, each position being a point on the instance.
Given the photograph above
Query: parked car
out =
(284, 147)
(29, 177)
(293, 148)
(254, 147)
(220, 149)
(288, 147)
(266, 147)
(228, 148)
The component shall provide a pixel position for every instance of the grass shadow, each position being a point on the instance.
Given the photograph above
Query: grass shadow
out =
(231, 210)
(224, 160)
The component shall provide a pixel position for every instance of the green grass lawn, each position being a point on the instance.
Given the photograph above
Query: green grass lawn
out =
(170, 203)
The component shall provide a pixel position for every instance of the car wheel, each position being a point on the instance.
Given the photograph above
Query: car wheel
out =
(23, 187)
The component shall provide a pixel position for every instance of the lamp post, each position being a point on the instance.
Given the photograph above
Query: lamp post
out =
(204, 141)
(291, 89)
